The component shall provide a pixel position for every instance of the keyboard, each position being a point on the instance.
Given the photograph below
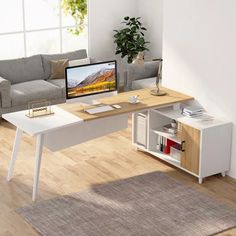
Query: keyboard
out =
(100, 109)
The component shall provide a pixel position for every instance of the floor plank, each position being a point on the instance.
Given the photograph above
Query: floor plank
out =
(71, 170)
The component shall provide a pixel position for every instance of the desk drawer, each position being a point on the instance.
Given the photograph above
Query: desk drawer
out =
(85, 131)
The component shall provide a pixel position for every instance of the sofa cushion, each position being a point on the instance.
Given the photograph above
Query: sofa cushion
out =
(58, 69)
(79, 62)
(22, 70)
(137, 72)
(47, 58)
(26, 92)
(144, 83)
(61, 83)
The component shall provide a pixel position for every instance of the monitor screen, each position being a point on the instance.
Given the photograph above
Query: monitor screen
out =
(91, 79)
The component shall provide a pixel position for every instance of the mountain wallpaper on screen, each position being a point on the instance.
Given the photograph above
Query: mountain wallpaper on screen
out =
(103, 80)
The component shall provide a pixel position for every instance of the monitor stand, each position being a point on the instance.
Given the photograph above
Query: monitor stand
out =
(91, 103)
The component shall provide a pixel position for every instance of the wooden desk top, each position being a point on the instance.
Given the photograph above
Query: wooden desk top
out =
(147, 101)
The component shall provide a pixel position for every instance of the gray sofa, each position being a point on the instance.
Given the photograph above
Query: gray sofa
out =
(141, 76)
(27, 79)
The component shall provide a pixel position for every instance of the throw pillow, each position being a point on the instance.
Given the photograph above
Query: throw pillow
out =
(79, 62)
(58, 69)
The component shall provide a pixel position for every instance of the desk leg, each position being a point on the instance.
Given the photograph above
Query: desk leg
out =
(16, 146)
(38, 155)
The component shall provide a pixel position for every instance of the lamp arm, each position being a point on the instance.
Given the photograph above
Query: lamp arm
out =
(159, 75)
(158, 59)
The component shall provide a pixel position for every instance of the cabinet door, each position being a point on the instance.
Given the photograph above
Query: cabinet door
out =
(191, 148)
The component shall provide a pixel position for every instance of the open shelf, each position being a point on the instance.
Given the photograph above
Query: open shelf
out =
(201, 148)
(166, 157)
(165, 134)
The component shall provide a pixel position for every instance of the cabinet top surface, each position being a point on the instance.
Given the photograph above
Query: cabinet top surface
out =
(197, 123)
(147, 101)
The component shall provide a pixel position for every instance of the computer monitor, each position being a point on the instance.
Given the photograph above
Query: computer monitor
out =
(86, 83)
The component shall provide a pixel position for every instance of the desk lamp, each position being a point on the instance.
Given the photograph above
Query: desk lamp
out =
(157, 91)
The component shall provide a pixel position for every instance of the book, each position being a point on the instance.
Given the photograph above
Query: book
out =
(190, 113)
(169, 143)
(198, 114)
(193, 109)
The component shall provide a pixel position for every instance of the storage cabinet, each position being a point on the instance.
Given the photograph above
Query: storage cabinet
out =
(201, 148)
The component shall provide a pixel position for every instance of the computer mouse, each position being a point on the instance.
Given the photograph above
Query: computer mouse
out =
(116, 106)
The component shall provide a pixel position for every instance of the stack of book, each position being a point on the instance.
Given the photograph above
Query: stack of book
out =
(193, 111)
(164, 144)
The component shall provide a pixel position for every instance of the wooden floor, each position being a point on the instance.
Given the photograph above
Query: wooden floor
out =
(99, 161)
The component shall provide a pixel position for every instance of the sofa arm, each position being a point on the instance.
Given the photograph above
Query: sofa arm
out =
(136, 72)
(5, 88)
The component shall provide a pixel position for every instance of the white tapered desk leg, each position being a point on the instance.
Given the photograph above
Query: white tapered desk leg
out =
(38, 155)
(16, 146)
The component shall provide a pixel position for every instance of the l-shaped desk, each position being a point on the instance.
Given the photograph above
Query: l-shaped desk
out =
(71, 125)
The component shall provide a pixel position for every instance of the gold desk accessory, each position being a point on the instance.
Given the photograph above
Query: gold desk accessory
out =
(39, 108)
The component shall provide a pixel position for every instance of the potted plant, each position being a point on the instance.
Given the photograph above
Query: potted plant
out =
(130, 40)
(78, 10)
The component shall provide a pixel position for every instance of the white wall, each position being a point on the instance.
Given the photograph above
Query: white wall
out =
(151, 12)
(104, 17)
(199, 51)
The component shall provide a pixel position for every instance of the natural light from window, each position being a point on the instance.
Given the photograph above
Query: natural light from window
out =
(31, 27)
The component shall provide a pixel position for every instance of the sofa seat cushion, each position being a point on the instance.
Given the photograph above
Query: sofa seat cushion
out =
(23, 69)
(26, 92)
(61, 83)
(144, 83)
(47, 58)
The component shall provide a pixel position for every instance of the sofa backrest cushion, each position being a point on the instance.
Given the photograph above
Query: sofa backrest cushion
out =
(148, 70)
(23, 69)
(47, 58)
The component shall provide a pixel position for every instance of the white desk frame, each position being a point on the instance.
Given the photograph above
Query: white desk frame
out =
(49, 129)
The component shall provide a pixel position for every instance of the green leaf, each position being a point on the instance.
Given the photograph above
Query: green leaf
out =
(78, 10)
(130, 39)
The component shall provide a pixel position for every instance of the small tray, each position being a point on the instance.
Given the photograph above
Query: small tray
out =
(168, 128)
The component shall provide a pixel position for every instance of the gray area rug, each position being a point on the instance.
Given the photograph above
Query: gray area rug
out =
(150, 204)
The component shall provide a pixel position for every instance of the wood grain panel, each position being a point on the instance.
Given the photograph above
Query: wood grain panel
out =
(190, 157)
(147, 101)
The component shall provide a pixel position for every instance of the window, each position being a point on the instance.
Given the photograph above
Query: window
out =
(34, 27)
